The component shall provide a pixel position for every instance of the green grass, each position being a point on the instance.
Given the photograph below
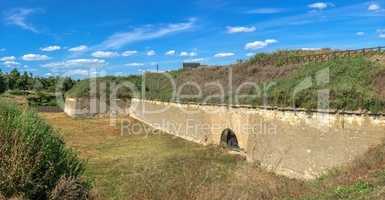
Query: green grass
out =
(350, 82)
(82, 88)
(31, 98)
(33, 156)
(160, 166)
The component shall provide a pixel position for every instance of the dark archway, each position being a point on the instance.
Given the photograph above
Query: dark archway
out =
(229, 139)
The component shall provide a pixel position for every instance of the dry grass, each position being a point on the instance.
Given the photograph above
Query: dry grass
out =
(163, 167)
(160, 166)
(18, 99)
(32, 156)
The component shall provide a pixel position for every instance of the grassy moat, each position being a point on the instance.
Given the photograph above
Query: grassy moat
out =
(160, 166)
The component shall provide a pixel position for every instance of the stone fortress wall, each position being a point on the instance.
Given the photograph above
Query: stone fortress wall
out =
(292, 143)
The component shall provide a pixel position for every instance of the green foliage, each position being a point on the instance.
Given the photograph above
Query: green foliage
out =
(156, 86)
(26, 81)
(3, 86)
(159, 86)
(42, 99)
(284, 57)
(348, 192)
(348, 80)
(33, 157)
(125, 87)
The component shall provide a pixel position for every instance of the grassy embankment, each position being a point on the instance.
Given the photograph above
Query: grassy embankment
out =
(353, 84)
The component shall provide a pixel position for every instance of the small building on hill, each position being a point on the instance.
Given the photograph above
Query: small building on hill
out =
(189, 66)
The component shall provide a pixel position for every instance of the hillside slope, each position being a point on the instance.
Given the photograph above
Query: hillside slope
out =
(350, 83)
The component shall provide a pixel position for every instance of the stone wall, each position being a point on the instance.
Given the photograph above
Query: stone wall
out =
(87, 107)
(295, 144)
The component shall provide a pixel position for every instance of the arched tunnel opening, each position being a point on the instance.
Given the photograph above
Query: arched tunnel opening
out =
(229, 139)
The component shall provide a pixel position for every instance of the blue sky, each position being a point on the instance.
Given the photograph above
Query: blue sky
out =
(118, 37)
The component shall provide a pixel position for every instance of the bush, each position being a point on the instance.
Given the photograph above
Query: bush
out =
(42, 99)
(33, 157)
(69, 188)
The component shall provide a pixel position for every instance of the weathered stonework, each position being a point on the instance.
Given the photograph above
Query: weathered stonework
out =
(88, 107)
(295, 144)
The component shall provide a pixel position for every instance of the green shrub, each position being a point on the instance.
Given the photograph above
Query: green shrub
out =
(33, 157)
(42, 99)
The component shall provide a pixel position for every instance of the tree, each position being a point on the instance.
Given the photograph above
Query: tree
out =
(13, 79)
(22, 82)
(68, 83)
(3, 84)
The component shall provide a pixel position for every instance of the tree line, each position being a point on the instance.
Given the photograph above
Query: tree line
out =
(15, 80)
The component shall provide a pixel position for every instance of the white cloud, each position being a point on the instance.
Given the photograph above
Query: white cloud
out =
(250, 54)
(170, 53)
(3, 49)
(80, 72)
(310, 49)
(8, 58)
(135, 64)
(240, 29)
(360, 33)
(223, 55)
(148, 32)
(194, 60)
(260, 44)
(374, 7)
(51, 48)
(78, 48)
(129, 53)
(151, 53)
(381, 33)
(104, 54)
(187, 54)
(265, 11)
(318, 6)
(18, 17)
(183, 53)
(11, 63)
(35, 57)
(77, 63)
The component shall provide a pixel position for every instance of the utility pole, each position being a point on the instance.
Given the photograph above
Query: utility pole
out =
(157, 67)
